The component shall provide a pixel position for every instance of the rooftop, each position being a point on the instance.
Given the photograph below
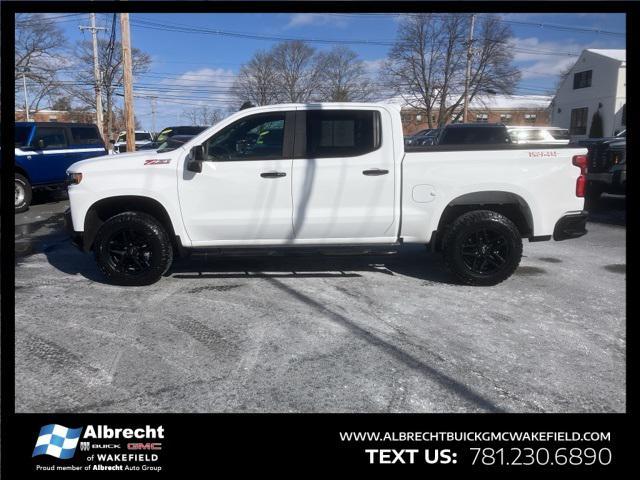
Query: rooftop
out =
(617, 54)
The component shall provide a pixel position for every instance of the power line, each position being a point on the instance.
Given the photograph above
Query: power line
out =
(181, 28)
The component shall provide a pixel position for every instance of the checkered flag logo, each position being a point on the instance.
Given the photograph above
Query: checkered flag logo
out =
(57, 441)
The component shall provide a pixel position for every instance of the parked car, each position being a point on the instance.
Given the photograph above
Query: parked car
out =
(408, 140)
(142, 138)
(530, 134)
(424, 137)
(607, 165)
(170, 132)
(44, 151)
(473, 134)
(324, 176)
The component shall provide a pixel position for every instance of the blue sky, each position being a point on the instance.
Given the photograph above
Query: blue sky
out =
(189, 62)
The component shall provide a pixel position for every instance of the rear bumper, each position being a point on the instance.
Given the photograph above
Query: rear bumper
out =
(571, 226)
(76, 237)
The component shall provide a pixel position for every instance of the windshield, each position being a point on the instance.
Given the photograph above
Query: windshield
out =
(163, 135)
(172, 143)
(22, 136)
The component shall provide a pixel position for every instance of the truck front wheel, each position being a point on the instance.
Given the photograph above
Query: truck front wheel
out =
(133, 248)
(482, 247)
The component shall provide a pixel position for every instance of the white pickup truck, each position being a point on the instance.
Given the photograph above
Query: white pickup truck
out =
(324, 175)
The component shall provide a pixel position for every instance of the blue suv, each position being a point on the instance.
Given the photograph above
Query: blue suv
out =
(44, 151)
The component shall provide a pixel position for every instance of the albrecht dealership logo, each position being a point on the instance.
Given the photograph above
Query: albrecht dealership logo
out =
(57, 441)
(61, 442)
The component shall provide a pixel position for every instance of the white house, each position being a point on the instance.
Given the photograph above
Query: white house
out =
(597, 82)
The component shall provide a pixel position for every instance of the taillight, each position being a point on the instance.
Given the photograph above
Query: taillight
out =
(581, 161)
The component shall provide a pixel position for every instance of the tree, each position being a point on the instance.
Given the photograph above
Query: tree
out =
(297, 72)
(110, 61)
(427, 64)
(203, 115)
(343, 76)
(597, 129)
(39, 53)
(256, 81)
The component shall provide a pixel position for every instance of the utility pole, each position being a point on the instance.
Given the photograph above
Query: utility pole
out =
(153, 115)
(128, 83)
(24, 72)
(468, 73)
(96, 72)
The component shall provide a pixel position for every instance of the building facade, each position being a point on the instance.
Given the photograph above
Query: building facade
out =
(46, 115)
(507, 109)
(596, 83)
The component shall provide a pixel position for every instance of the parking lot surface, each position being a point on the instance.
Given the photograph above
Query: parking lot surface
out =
(383, 333)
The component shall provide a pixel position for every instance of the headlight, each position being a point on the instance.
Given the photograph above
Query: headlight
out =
(74, 178)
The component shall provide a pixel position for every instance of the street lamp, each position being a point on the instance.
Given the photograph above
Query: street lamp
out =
(24, 71)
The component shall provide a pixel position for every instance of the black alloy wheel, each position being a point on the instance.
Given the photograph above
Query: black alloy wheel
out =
(485, 251)
(133, 248)
(482, 247)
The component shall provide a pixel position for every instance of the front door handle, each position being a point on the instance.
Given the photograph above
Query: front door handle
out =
(273, 174)
(375, 171)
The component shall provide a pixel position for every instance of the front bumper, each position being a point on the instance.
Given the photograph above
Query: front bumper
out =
(572, 225)
(76, 237)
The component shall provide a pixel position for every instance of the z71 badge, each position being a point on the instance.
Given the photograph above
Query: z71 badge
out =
(163, 161)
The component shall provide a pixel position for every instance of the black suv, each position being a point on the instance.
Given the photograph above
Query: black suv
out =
(607, 171)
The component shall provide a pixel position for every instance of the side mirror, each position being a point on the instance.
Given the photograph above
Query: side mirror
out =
(194, 164)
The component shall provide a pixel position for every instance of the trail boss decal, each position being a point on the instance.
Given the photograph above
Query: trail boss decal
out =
(543, 153)
(163, 161)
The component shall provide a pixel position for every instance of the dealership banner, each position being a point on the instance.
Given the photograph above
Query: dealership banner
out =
(163, 446)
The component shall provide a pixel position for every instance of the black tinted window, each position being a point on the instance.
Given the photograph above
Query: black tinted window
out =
(342, 133)
(85, 136)
(473, 135)
(21, 136)
(256, 137)
(49, 138)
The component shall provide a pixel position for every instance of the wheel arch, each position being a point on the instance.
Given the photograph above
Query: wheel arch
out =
(509, 204)
(106, 208)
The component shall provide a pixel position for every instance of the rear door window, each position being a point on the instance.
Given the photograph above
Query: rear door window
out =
(85, 136)
(342, 133)
(50, 138)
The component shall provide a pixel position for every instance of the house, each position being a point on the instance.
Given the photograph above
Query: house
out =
(497, 108)
(596, 83)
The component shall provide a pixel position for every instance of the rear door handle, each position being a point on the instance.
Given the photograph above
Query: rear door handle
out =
(375, 171)
(272, 174)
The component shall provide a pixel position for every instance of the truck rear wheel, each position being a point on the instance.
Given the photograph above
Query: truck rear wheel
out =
(23, 193)
(482, 247)
(133, 248)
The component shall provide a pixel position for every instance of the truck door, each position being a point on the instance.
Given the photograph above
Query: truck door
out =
(49, 161)
(243, 194)
(344, 177)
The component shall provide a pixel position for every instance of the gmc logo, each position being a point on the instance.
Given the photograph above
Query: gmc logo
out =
(144, 446)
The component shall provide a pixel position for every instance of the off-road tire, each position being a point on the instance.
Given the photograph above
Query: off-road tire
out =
(23, 184)
(496, 226)
(147, 234)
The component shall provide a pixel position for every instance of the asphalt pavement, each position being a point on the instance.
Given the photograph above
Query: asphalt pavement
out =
(296, 333)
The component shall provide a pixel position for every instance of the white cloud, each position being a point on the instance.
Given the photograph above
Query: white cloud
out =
(541, 59)
(316, 19)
